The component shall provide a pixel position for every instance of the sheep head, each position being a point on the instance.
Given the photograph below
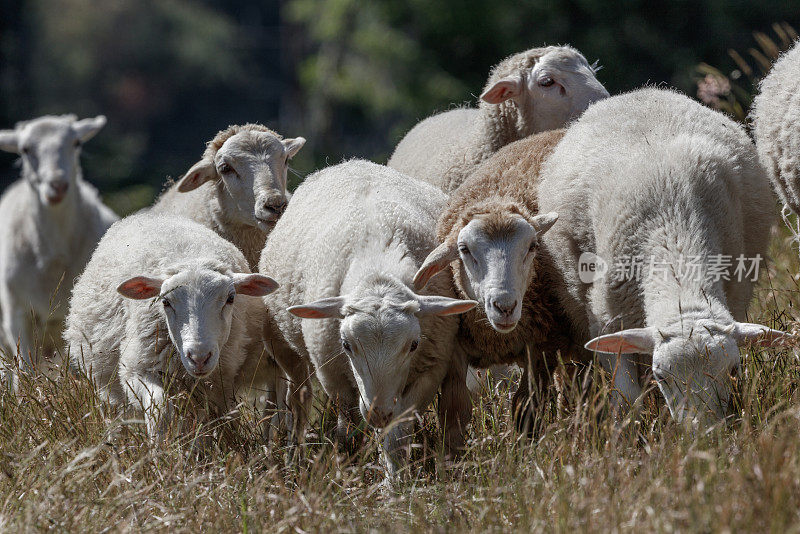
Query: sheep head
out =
(50, 147)
(380, 332)
(549, 87)
(249, 164)
(693, 360)
(197, 305)
(492, 249)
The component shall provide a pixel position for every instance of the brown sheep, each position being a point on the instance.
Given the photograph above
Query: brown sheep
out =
(491, 235)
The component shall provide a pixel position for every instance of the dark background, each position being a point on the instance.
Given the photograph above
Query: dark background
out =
(352, 77)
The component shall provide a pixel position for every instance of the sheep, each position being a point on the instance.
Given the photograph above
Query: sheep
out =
(247, 170)
(650, 241)
(159, 286)
(347, 247)
(775, 115)
(490, 235)
(533, 91)
(51, 221)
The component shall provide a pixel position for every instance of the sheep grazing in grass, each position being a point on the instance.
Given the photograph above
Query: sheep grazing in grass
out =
(533, 91)
(50, 221)
(776, 117)
(490, 235)
(348, 246)
(157, 291)
(679, 213)
(238, 188)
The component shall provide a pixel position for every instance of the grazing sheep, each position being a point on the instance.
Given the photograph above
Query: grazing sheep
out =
(348, 246)
(246, 167)
(490, 235)
(670, 210)
(533, 91)
(157, 286)
(776, 117)
(50, 221)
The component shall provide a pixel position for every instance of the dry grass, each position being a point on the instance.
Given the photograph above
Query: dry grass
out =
(69, 463)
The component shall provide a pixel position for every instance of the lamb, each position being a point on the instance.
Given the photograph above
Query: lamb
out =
(678, 213)
(533, 91)
(775, 115)
(245, 169)
(347, 247)
(159, 286)
(51, 221)
(490, 235)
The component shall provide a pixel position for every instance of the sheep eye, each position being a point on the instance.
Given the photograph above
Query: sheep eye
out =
(77, 143)
(224, 168)
(166, 303)
(414, 345)
(546, 81)
(26, 150)
(345, 345)
(462, 248)
(230, 298)
(534, 246)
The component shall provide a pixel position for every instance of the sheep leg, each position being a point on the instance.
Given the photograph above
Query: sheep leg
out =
(298, 388)
(396, 446)
(455, 406)
(18, 331)
(146, 390)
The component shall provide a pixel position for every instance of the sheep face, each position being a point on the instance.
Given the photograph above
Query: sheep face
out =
(496, 264)
(198, 307)
(252, 166)
(380, 334)
(50, 148)
(693, 361)
(556, 90)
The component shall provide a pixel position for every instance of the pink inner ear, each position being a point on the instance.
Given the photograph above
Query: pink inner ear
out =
(457, 308)
(500, 92)
(614, 345)
(308, 313)
(139, 288)
(257, 287)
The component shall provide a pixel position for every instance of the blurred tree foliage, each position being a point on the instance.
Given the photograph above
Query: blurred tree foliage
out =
(351, 76)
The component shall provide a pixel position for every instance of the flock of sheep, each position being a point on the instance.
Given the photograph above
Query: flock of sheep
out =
(229, 284)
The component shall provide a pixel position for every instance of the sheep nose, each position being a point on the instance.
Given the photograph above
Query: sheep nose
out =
(378, 418)
(59, 187)
(504, 307)
(278, 206)
(200, 359)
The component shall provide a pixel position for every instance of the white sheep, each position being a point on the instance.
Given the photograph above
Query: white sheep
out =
(776, 120)
(348, 246)
(670, 195)
(158, 292)
(530, 92)
(50, 221)
(238, 188)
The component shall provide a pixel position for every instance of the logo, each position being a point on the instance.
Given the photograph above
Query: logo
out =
(591, 267)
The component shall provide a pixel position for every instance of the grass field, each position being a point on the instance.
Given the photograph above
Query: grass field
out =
(68, 463)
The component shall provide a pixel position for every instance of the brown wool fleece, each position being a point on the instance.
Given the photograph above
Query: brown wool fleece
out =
(501, 188)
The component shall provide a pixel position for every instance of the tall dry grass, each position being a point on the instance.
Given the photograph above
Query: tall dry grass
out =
(70, 463)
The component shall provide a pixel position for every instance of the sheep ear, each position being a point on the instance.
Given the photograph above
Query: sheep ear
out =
(140, 287)
(631, 341)
(200, 173)
(87, 128)
(9, 141)
(437, 260)
(501, 91)
(254, 285)
(761, 336)
(544, 221)
(435, 305)
(293, 146)
(327, 308)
